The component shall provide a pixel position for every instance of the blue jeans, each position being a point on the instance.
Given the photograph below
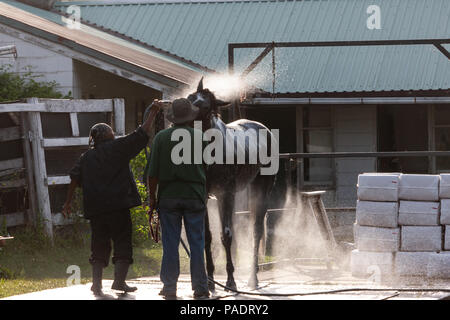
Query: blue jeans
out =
(171, 213)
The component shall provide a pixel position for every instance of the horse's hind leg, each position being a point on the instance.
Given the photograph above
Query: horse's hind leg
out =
(226, 208)
(260, 191)
(208, 254)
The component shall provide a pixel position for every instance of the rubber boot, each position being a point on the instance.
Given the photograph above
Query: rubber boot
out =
(120, 274)
(97, 274)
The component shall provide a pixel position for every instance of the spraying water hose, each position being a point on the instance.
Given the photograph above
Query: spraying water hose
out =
(275, 294)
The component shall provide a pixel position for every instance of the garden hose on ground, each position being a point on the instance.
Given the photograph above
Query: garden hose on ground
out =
(274, 294)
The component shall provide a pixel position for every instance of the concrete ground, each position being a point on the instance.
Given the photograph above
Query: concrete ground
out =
(288, 279)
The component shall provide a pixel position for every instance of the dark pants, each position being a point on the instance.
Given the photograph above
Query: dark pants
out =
(172, 212)
(115, 226)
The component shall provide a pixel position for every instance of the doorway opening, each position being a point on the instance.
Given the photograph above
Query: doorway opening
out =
(403, 128)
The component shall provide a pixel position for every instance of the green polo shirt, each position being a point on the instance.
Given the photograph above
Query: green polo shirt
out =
(182, 180)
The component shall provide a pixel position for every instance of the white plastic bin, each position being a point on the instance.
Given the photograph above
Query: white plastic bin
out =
(377, 239)
(378, 187)
(377, 214)
(412, 263)
(444, 186)
(445, 211)
(418, 213)
(419, 187)
(447, 238)
(421, 238)
(439, 265)
(370, 263)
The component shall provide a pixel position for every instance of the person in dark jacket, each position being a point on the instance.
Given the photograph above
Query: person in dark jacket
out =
(109, 191)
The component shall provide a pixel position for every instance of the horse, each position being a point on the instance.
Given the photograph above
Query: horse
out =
(223, 181)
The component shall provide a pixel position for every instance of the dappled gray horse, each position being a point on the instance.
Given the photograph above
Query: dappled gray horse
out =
(224, 180)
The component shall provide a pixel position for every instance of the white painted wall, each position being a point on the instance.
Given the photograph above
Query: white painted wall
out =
(355, 131)
(50, 65)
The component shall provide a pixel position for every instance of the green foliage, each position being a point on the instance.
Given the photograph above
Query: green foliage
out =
(139, 215)
(31, 239)
(15, 86)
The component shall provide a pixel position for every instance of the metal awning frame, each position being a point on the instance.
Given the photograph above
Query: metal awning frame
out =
(270, 47)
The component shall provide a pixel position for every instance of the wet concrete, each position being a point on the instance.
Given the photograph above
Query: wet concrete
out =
(290, 279)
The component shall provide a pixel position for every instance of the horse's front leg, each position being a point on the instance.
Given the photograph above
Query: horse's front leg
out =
(258, 230)
(226, 208)
(259, 201)
(208, 254)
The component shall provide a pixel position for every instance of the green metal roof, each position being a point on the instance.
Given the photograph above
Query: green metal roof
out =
(199, 31)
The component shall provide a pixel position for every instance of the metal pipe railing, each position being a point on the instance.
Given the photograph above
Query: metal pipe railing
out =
(365, 154)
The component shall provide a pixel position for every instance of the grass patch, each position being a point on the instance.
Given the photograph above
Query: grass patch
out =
(29, 263)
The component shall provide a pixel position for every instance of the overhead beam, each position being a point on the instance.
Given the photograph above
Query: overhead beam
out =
(341, 43)
(304, 44)
(258, 59)
(443, 50)
(393, 154)
(346, 101)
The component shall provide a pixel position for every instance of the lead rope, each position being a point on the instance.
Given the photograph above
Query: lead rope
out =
(153, 221)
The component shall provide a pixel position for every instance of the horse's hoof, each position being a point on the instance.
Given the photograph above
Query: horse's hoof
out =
(231, 285)
(252, 283)
(211, 286)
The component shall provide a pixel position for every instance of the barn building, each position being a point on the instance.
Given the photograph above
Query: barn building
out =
(377, 98)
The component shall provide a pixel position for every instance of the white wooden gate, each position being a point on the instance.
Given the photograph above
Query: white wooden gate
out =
(35, 145)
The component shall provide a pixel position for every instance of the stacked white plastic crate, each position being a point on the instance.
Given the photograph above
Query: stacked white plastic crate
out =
(421, 233)
(441, 262)
(377, 234)
(399, 226)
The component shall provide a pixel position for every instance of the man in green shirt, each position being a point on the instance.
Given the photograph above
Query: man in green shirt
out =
(181, 184)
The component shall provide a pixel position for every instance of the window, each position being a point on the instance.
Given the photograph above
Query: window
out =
(317, 138)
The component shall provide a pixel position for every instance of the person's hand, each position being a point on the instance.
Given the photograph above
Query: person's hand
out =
(150, 115)
(155, 107)
(158, 104)
(66, 209)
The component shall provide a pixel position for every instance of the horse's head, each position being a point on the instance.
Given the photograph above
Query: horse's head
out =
(206, 101)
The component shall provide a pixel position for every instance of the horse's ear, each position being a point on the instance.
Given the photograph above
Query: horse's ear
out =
(200, 85)
(221, 103)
